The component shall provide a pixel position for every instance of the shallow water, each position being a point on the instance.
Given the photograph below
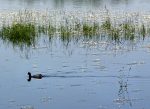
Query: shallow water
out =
(81, 75)
(75, 4)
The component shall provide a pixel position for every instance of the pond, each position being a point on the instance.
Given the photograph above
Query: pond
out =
(75, 4)
(81, 71)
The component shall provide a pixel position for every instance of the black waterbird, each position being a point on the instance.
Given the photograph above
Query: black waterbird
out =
(36, 76)
(40, 76)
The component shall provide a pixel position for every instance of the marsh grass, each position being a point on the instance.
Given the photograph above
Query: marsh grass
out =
(47, 30)
(107, 25)
(26, 33)
(128, 31)
(19, 33)
(90, 30)
(25, 28)
(143, 31)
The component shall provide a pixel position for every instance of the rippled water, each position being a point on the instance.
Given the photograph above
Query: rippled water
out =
(75, 4)
(81, 74)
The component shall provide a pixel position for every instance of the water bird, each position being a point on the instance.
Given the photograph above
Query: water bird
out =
(40, 76)
(36, 76)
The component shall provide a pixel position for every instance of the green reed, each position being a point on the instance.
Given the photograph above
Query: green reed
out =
(26, 33)
(19, 33)
(143, 31)
(128, 31)
(29, 25)
(90, 30)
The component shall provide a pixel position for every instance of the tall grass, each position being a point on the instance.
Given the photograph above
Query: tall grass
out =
(23, 27)
(19, 33)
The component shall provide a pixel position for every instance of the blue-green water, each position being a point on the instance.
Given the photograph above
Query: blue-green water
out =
(82, 75)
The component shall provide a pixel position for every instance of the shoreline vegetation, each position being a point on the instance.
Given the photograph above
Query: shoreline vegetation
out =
(25, 26)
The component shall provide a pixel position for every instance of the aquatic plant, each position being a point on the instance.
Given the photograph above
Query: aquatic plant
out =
(143, 31)
(128, 31)
(90, 29)
(65, 34)
(42, 29)
(24, 26)
(107, 25)
(19, 33)
(87, 30)
(65, 31)
(115, 34)
(51, 30)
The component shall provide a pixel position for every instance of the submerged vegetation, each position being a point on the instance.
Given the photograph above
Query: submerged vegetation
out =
(25, 26)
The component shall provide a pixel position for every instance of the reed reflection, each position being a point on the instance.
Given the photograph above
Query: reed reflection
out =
(123, 93)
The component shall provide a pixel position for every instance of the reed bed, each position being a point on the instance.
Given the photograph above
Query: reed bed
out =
(24, 26)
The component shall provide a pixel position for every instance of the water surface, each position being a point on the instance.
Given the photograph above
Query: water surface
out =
(75, 4)
(84, 74)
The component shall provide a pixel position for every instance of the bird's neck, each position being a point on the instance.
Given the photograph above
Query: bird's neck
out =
(29, 75)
